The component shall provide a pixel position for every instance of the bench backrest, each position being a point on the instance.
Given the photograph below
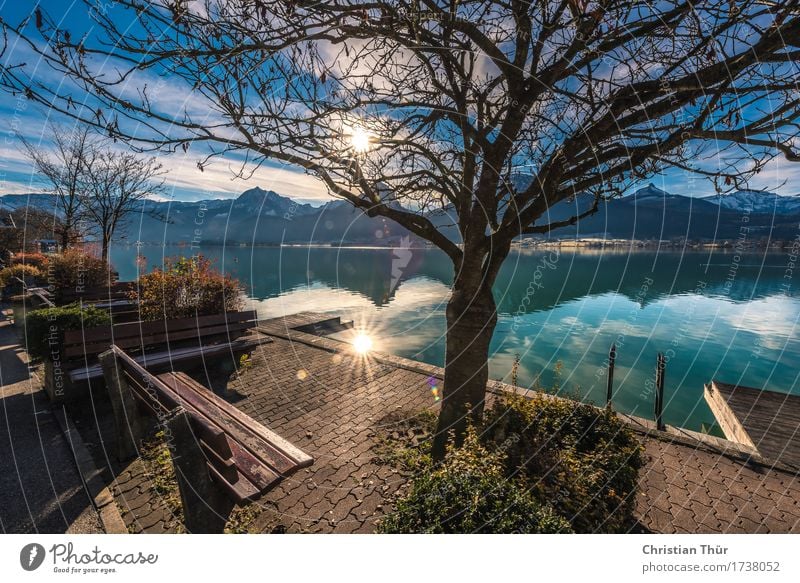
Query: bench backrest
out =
(115, 291)
(242, 455)
(140, 336)
(160, 400)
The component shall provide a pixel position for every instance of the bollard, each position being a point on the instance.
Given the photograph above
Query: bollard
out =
(612, 357)
(661, 365)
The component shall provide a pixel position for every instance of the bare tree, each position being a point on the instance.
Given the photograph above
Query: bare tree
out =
(489, 112)
(60, 163)
(117, 184)
(23, 225)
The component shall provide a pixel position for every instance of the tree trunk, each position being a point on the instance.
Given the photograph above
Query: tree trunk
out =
(66, 233)
(106, 246)
(471, 320)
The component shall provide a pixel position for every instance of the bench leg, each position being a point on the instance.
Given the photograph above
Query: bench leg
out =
(206, 507)
(128, 423)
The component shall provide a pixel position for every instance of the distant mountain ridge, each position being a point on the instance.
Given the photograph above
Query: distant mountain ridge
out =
(757, 201)
(259, 216)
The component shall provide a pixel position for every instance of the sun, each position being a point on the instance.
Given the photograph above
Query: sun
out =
(362, 343)
(360, 140)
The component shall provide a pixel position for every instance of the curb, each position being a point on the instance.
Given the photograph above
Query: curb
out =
(102, 499)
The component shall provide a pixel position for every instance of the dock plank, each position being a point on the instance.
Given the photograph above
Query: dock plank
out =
(304, 321)
(766, 420)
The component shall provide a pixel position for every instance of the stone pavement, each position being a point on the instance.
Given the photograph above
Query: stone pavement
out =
(333, 404)
(143, 503)
(686, 489)
(40, 488)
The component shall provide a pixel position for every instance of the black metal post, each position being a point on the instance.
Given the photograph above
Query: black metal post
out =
(612, 357)
(661, 366)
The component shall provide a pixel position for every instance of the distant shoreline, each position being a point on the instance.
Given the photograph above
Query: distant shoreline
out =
(579, 244)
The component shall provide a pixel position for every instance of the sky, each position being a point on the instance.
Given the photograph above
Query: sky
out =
(186, 182)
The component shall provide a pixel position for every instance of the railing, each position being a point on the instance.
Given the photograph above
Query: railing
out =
(658, 405)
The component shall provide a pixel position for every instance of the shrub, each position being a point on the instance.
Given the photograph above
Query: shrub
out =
(37, 260)
(46, 326)
(186, 287)
(74, 270)
(468, 493)
(580, 459)
(9, 274)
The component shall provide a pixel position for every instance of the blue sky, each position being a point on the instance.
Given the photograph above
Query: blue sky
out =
(186, 182)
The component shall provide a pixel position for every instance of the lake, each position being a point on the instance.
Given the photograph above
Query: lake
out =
(715, 315)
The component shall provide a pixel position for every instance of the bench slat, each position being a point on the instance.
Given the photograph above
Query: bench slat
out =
(240, 491)
(168, 358)
(224, 465)
(298, 456)
(256, 471)
(118, 289)
(220, 412)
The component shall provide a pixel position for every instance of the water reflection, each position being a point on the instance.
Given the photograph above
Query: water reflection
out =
(716, 315)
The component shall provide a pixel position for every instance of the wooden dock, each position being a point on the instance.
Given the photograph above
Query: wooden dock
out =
(765, 420)
(315, 323)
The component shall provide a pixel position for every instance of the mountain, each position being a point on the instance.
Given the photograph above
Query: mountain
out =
(12, 202)
(757, 201)
(651, 213)
(268, 203)
(259, 216)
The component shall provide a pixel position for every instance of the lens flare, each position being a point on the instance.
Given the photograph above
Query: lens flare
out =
(359, 140)
(362, 343)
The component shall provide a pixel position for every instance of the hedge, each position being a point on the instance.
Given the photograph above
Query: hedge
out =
(45, 327)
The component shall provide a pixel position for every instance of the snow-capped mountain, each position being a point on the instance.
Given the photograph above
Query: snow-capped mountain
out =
(262, 216)
(757, 201)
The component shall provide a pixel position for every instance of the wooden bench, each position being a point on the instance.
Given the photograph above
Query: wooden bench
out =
(221, 456)
(158, 346)
(38, 296)
(118, 299)
(118, 290)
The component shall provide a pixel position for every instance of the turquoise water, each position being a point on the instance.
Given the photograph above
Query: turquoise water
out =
(715, 315)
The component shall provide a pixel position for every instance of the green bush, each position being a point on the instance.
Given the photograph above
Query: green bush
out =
(468, 493)
(9, 274)
(186, 287)
(45, 327)
(581, 460)
(74, 270)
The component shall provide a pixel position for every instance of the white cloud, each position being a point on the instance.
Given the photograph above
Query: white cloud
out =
(184, 179)
(220, 176)
(773, 319)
